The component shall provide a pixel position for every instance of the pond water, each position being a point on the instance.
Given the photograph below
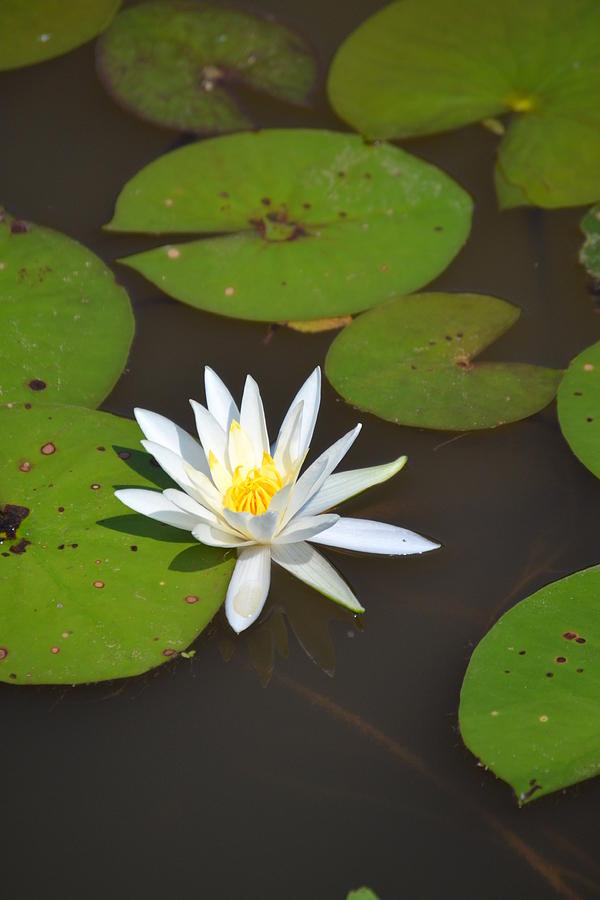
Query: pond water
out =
(245, 773)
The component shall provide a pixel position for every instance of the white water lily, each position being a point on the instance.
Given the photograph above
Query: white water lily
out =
(238, 491)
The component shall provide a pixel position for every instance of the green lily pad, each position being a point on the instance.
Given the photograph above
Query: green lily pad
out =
(590, 252)
(313, 224)
(175, 64)
(66, 325)
(411, 362)
(529, 702)
(32, 31)
(579, 407)
(86, 592)
(418, 67)
(362, 894)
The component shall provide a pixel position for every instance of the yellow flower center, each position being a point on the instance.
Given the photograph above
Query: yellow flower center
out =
(252, 491)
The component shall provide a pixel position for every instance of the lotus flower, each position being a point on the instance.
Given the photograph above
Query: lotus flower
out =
(238, 491)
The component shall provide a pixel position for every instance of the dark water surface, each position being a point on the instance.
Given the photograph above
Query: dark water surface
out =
(196, 781)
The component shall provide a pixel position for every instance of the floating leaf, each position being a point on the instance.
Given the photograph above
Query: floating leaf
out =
(175, 64)
(313, 224)
(411, 362)
(66, 325)
(87, 593)
(362, 894)
(32, 31)
(529, 701)
(590, 252)
(419, 67)
(579, 407)
(314, 326)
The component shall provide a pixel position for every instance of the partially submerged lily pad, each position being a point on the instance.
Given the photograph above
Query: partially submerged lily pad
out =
(419, 67)
(66, 325)
(529, 702)
(86, 592)
(579, 407)
(590, 252)
(412, 362)
(313, 224)
(178, 63)
(32, 31)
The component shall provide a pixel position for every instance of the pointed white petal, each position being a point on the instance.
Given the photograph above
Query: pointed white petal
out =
(240, 450)
(193, 507)
(304, 528)
(161, 430)
(221, 404)
(171, 463)
(343, 485)
(212, 436)
(366, 536)
(305, 563)
(289, 436)
(252, 419)
(248, 587)
(203, 490)
(156, 506)
(310, 395)
(255, 528)
(216, 537)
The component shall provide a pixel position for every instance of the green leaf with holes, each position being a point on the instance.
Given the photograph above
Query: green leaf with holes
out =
(89, 591)
(423, 66)
(579, 407)
(529, 702)
(32, 31)
(412, 362)
(178, 63)
(66, 325)
(590, 251)
(311, 224)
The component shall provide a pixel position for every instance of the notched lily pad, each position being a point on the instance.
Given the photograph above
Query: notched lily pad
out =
(66, 325)
(590, 251)
(32, 31)
(579, 407)
(529, 701)
(313, 224)
(417, 67)
(177, 64)
(413, 362)
(87, 593)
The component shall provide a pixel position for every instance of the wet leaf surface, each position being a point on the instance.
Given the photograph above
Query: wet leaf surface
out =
(88, 593)
(67, 326)
(529, 701)
(590, 251)
(412, 69)
(579, 407)
(413, 362)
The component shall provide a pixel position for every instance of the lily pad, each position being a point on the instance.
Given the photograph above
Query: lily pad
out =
(529, 702)
(87, 593)
(66, 325)
(362, 894)
(590, 252)
(419, 67)
(32, 31)
(313, 224)
(411, 362)
(579, 407)
(175, 64)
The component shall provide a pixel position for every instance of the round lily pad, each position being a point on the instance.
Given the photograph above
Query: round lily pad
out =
(590, 251)
(313, 224)
(529, 701)
(87, 592)
(178, 63)
(66, 325)
(579, 407)
(32, 31)
(422, 66)
(412, 362)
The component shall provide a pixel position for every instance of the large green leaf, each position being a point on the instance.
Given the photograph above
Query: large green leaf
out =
(590, 251)
(529, 702)
(422, 66)
(66, 325)
(87, 590)
(175, 63)
(32, 31)
(579, 407)
(313, 224)
(411, 362)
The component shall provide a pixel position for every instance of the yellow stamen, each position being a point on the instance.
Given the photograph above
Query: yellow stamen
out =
(253, 491)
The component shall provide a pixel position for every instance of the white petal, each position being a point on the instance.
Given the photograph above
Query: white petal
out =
(310, 395)
(212, 436)
(289, 436)
(343, 485)
(170, 462)
(240, 449)
(221, 404)
(366, 536)
(202, 488)
(304, 528)
(248, 587)
(255, 528)
(252, 419)
(156, 506)
(191, 506)
(161, 430)
(305, 563)
(216, 537)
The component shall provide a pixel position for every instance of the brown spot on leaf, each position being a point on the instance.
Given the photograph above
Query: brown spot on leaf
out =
(191, 598)
(11, 517)
(98, 584)
(3, 652)
(48, 449)
(19, 548)
(123, 454)
(95, 486)
(18, 226)
(36, 384)
(570, 635)
(168, 651)
(25, 466)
